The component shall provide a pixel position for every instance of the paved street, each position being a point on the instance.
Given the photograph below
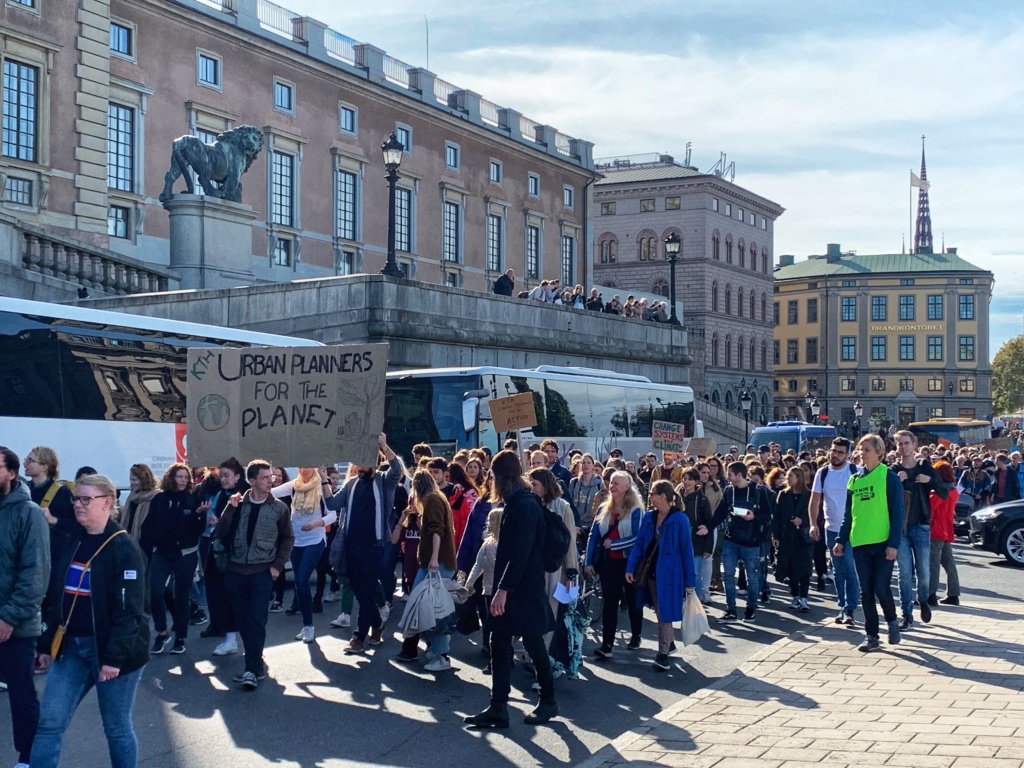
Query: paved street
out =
(321, 709)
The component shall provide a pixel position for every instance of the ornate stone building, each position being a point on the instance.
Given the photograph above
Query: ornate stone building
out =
(723, 275)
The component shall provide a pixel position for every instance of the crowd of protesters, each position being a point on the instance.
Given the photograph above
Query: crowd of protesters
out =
(87, 582)
(553, 292)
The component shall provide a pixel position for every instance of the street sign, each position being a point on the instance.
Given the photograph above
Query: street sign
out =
(515, 412)
(667, 436)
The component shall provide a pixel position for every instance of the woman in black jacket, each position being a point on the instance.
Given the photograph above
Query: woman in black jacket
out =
(520, 604)
(100, 603)
(792, 535)
(698, 511)
(170, 540)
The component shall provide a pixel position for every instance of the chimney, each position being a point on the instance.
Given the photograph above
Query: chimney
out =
(951, 250)
(786, 260)
(832, 253)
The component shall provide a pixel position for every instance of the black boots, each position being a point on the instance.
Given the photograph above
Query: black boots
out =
(495, 716)
(545, 711)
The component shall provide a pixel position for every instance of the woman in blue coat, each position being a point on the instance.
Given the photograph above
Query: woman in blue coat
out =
(673, 573)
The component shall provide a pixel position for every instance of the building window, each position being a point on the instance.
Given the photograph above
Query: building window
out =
(609, 251)
(775, 351)
(966, 281)
(728, 250)
(879, 308)
(848, 309)
(346, 192)
(966, 385)
(672, 203)
(907, 348)
(404, 135)
(117, 221)
(646, 248)
(451, 155)
(568, 197)
(739, 303)
(714, 350)
(847, 385)
(20, 118)
(792, 312)
(728, 210)
(966, 303)
(607, 209)
(812, 351)
(284, 97)
(282, 252)
(906, 385)
(728, 352)
(906, 281)
(347, 263)
(120, 147)
(532, 252)
(775, 313)
(647, 206)
(743, 254)
(935, 306)
(495, 172)
(715, 247)
(792, 352)
(752, 315)
(121, 40)
(849, 284)
(18, 191)
(764, 261)
(450, 232)
(568, 260)
(966, 348)
(26, 3)
(282, 192)
(848, 347)
(812, 385)
(934, 413)
(714, 297)
(208, 70)
(878, 385)
(934, 385)
(533, 184)
(935, 349)
(403, 220)
(812, 310)
(714, 203)
(791, 385)
(878, 347)
(728, 300)
(751, 219)
(907, 308)
(494, 243)
(348, 119)
(764, 223)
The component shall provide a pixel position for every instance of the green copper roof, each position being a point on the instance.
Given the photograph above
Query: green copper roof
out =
(874, 264)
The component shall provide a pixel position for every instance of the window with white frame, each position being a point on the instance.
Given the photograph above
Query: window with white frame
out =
(120, 147)
(118, 217)
(404, 135)
(451, 235)
(403, 219)
(283, 252)
(345, 198)
(282, 189)
(714, 203)
(20, 111)
(284, 96)
(568, 197)
(18, 191)
(495, 244)
(122, 39)
(208, 70)
(532, 251)
(568, 260)
(495, 173)
(348, 119)
(346, 262)
(452, 154)
(533, 184)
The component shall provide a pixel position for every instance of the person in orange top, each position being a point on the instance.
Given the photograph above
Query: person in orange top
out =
(943, 511)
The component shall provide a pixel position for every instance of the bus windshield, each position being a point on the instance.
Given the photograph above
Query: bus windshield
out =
(427, 410)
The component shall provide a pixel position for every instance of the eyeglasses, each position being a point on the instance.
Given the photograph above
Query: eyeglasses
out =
(85, 501)
(30, 460)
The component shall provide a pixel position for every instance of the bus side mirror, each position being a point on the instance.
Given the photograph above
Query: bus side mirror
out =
(469, 413)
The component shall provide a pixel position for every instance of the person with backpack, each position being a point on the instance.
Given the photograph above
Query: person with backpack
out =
(546, 487)
(54, 497)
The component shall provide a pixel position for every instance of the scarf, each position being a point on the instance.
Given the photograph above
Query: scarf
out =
(307, 495)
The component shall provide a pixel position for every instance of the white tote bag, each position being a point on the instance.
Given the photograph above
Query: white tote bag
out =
(695, 620)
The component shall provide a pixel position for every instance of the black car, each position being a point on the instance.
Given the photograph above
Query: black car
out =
(1000, 529)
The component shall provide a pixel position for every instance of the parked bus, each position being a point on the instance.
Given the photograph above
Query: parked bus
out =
(794, 435)
(104, 389)
(582, 408)
(951, 431)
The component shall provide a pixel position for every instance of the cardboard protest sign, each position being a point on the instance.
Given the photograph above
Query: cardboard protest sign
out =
(294, 406)
(667, 436)
(999, 444)
(515, 412)
(701, 446)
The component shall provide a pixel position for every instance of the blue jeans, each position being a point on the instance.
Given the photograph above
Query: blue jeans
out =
(914, 553)
(847, 583)
(731, 556)
(71, 676)
(439, 643)
(304, 562)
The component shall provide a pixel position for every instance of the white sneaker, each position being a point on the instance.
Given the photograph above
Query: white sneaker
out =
(343, 620)
(226, 649)
(21, 765)
(332, 596)
(438, 664)
(306, 635)
(385, 611)
(794, 603)
(3, 687)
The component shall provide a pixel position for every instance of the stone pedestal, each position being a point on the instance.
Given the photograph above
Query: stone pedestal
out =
(211, 241)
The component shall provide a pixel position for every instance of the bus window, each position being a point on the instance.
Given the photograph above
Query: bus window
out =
(608, 407)
(506, 386)
(642, 409)
(425, 410)
(567, 407)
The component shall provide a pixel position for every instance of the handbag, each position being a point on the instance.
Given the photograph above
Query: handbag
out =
(58, 635)
(644, 568)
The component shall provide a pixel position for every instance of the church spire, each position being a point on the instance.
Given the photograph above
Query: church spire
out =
(923, 231)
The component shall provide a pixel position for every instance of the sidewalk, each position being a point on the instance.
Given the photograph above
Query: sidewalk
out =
(951, 695)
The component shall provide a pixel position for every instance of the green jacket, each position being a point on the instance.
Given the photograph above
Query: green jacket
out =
(24, 561)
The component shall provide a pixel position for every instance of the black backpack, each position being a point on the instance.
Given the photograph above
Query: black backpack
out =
(556, 540)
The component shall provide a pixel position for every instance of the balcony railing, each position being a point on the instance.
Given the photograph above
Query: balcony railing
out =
(443, 90)
(396, 71)
(340, 46)
(563, 144)
(277, 19)
(528, 128)
(489, 111)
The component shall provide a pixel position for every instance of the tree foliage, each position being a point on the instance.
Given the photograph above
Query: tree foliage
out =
(1008, 377)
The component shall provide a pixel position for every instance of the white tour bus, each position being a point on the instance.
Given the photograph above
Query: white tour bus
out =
(592, 410)
(103, 389)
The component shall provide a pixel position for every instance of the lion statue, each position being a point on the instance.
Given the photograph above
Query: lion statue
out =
(218, 166)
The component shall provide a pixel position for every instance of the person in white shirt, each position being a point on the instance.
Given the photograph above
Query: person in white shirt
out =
(830, 483)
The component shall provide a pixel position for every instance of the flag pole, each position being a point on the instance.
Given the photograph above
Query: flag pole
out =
(910, 214)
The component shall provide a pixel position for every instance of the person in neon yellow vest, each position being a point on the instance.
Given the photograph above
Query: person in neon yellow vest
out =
(872, 526)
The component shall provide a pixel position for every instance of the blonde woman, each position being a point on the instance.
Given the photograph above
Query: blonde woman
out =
(615, 529)
(484, 566)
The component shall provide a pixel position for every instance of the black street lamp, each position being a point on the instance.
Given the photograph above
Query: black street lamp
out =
(392, 150)
(858, 411)
(745, 403)
(672, 245)
(815, 410)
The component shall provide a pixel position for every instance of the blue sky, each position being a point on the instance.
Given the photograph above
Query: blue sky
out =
(820, 104)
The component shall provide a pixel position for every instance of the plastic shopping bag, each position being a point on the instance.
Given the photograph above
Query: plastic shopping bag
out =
(440, 599)
(695, 621)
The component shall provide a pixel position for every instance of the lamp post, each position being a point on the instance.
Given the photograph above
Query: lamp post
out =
(745, 403)
(392, 150)
(672, 245)
(815, 410)
(858, 411)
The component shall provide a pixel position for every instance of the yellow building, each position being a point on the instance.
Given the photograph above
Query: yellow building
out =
(904, 335)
